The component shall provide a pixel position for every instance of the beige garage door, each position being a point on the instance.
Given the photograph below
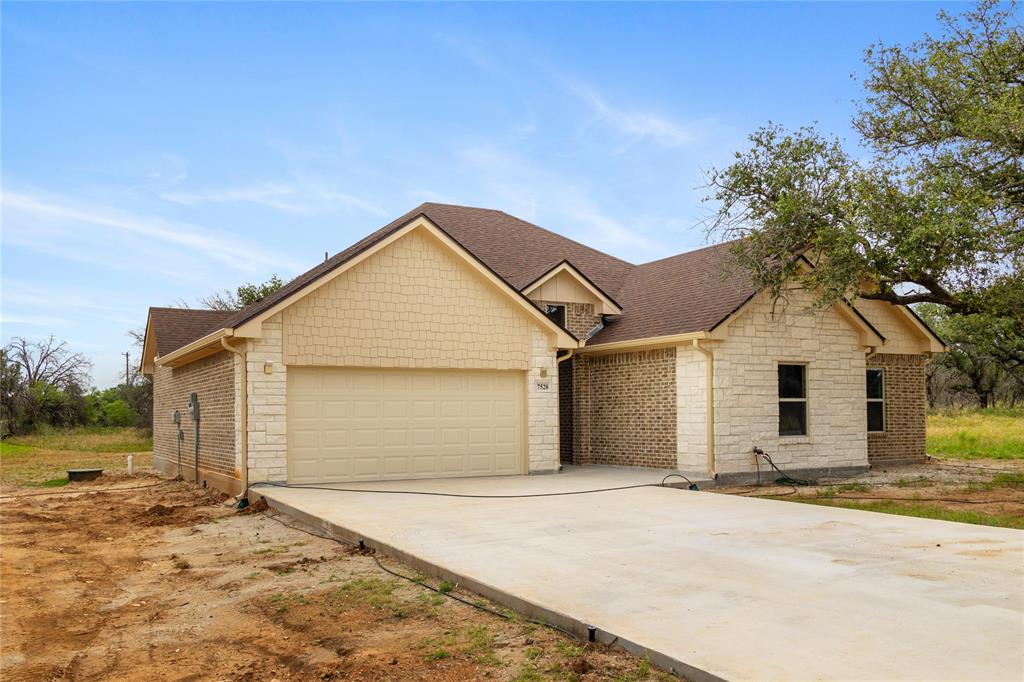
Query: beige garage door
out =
(371, 425)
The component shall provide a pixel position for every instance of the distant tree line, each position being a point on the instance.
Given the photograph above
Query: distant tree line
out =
(43, 384)
(984, 366)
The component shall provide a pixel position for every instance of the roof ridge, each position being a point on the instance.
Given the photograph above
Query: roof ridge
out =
(191, 310)
(688, 253)
(562, 236)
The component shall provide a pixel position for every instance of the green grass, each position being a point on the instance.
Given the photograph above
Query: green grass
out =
(7, 448)
(94, 439)
(372, 591)
(995, 433)
(475, 642)
(1005, 480)
(41, 458)
(919, 509)
(283, 601)
(55, 482)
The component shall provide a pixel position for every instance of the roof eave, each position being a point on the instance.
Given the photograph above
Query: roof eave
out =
(200, 348)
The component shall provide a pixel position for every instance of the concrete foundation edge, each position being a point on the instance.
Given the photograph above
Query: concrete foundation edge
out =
(213, 479)
(529, 609)
(768, 475)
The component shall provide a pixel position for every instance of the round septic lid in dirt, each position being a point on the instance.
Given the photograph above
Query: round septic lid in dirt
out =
(83, 474)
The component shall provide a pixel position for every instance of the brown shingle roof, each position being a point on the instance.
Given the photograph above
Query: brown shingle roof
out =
(689, 292)
(176, 327)
(516, 250)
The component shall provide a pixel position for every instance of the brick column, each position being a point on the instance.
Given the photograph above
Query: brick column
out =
(906, 404)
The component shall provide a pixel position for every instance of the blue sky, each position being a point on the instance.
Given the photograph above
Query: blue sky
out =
(157, 152)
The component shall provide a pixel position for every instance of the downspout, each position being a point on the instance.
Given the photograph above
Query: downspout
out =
(563, 358)
(244, 405)
(709, 363)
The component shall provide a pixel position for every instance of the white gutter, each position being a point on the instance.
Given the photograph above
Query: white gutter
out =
(244, 405)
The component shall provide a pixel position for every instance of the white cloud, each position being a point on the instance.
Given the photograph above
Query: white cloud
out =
(33, 320)
(270, 194)
(635, 125)
(55, 225)
(529, 191)
(309, 196)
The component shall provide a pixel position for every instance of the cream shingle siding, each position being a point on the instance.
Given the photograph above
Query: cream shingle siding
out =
(891, 323)
(413, 304)
(746, 388)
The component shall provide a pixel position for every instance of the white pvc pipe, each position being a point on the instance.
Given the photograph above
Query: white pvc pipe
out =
(131, 467)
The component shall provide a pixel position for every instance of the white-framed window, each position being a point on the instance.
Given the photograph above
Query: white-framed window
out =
(876, 400)
(792, 400)
(556, 311)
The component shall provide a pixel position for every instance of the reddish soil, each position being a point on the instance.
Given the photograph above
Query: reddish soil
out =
(167, 583)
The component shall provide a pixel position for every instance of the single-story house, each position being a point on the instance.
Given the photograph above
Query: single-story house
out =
(462, 341)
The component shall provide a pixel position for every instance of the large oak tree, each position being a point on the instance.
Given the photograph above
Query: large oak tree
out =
(936, 212)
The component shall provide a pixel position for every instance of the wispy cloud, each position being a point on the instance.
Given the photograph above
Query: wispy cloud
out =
(633, 124)
(272, 195)
(281, 196)
(33, 320)
(55, 223)
(526, 189)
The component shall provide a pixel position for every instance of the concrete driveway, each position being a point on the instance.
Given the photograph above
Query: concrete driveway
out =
(713, 586)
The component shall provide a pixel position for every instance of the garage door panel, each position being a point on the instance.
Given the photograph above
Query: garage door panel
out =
(453, 464)
(366, 408)
(364, 425)
(365, 438)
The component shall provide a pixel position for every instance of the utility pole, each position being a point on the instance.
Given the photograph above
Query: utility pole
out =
(127, 374)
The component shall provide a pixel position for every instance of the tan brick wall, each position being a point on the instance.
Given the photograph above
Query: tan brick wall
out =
(213, 379)
(580, 318)
(746, 388)
(412, 304)
(626, 409)
(906, 406)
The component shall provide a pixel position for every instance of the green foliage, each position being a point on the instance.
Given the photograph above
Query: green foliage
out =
(985, 357)
(252, 293)
(936, 215)
(243, 296)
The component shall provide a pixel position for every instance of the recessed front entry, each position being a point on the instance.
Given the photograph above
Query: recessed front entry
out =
(376, 424)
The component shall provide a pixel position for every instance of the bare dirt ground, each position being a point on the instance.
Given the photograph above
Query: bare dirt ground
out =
(979, 491)
(167, 583)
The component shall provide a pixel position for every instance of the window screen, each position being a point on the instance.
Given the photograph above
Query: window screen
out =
(876, 399)
(556, 313)
(792, 400)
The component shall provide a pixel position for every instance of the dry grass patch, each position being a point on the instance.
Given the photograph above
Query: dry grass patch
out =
(996, 433)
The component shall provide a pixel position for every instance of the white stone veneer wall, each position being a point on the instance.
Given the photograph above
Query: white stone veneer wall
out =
(691, 403)
(542, 406)
(746, 388)
(268, 419)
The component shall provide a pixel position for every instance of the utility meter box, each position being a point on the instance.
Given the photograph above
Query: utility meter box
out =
(193, 406)
(176, 417)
